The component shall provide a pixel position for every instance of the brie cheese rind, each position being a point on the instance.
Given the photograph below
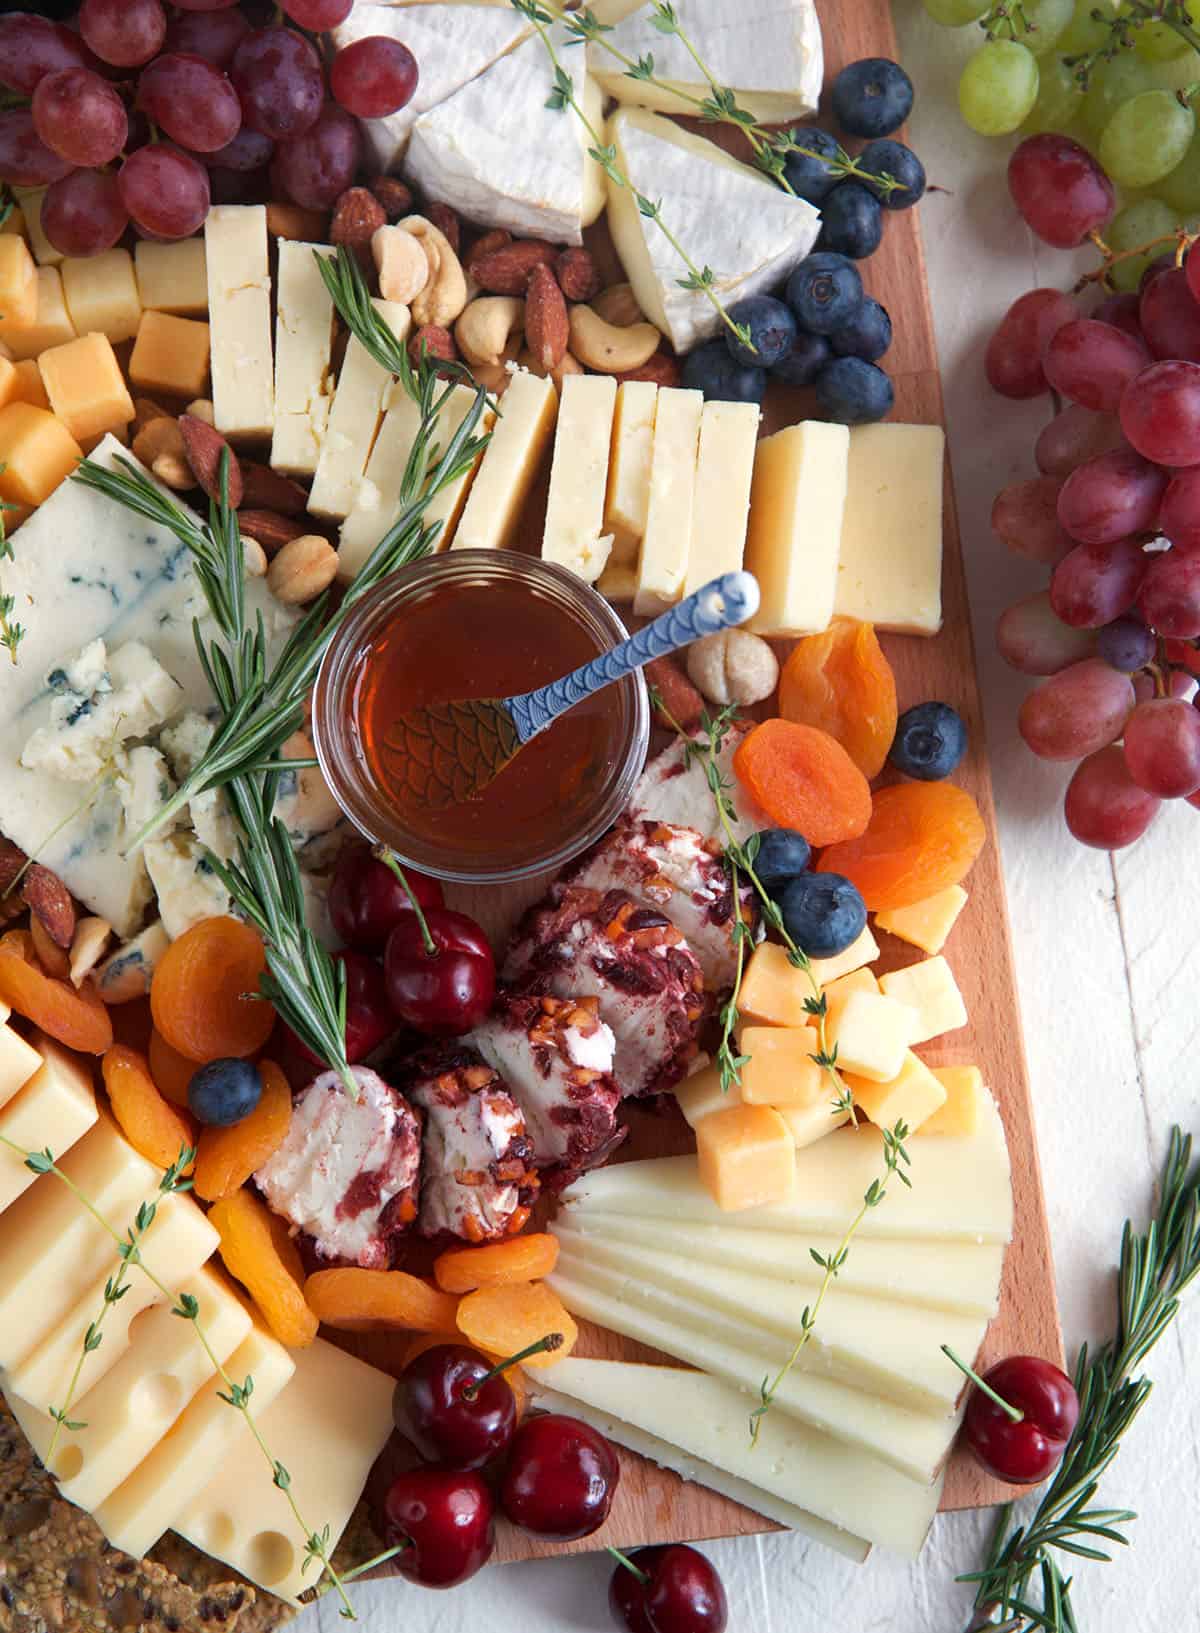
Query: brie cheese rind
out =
(734, 221)
(497, 154)
(768, 51)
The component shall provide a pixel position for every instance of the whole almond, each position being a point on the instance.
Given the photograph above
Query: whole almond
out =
(204, 446)
(445, 220)
(302, 569)
(618, 304)
(576, 272)
(547, 326)
(680, 698)
(271, 529)
(661, 370)
(265, 489)
(396, 198)
(491, 241)
(12, 860)
(357, 215)
(506, 271)
(55, 960)
(435, 341)
(49, 900)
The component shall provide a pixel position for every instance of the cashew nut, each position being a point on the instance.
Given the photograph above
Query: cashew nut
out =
(91, 938)
(488, 327)
(618, 304)
(202, 409)
(403, 266)
(733, 667)
(607, 348)
(255, 557)
(445, 295)
(566, 365)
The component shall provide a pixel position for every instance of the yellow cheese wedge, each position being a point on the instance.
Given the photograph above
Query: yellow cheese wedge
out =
(931, 992)
(724, 473)
(491, 517)
(666, 545)
(101, 293)
(912, 1096)
(629, 471)
(55, 1108)
(796, 511)
(172, 277)
(18, 282)
(30, 200)
(926, 924)
(574, 535)
(890, 566)
(746, 1157)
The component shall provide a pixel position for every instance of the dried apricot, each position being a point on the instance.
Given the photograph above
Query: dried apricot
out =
(171, 1071)
(75, 1018)
(148, 1122)
(522, 1258)
(804, 779)
(922, 838)
(357, 1300)
(505, 1319)
(513, 1376)
(226, 1157)
(841, 682)
(258, 1251)
(205, 991)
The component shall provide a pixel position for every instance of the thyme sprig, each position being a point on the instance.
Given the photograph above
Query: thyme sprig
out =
(1155, 1268)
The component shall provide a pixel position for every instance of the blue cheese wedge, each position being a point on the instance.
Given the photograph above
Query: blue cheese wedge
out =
(734, 220)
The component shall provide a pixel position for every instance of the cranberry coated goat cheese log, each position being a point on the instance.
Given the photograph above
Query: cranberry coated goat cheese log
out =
(674, 788)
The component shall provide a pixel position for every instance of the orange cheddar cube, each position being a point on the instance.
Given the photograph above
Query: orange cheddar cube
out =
(101, 293)
(52, 324)
(774, 991)
(36, 452)
(808, 1124)
(747, 1157)
(862, 980)
(29, 387)
(18, 283)
(964, 1101)
(170, 355)
(85, 386)
(781, 1070)
(10, 382)
(912, 1096)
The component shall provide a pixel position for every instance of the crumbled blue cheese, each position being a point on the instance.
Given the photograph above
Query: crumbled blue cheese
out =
(126, 974)
(144, 786)
(307, 808)
(131, 696)
(186, 883)
(185, 741)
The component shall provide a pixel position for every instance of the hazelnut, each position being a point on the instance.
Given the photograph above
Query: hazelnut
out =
(733, 667)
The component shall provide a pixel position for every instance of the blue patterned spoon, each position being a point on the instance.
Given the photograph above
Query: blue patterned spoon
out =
(452, 751)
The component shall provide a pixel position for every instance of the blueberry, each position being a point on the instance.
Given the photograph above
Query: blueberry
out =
(852, 392)
(808, 356)
(851, 221)
(824, 292)
(867, 335)
(772, 331)
(224, 1091)
(893, 159)
(823, 913)
(872, 97)
(808, 170)
(710, 369)
(782, 855)
(1126, 644)
(930, 740)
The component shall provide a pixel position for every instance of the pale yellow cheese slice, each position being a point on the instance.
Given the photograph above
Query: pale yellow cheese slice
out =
(239, 318)
(629, 470)
(574, 535)
(491, 517)
(666, 545)
(796, 509)
(303, 342)
(55, 1108)
(890, 567)
(724, 473)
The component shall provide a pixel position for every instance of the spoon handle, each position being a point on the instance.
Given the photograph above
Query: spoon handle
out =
(718, 605)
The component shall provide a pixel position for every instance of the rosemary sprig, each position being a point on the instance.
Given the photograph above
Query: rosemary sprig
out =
(1155, 1268)
(11, 632)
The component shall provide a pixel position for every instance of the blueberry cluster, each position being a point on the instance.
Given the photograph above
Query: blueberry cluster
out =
(823, 330)
(822, 912)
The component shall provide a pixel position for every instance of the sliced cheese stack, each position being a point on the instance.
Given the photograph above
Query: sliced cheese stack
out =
(303, 342)
(239, 315)
(358, 406)
(46, 1098)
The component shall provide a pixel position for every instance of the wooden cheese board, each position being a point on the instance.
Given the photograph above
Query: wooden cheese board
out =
(653, 1505)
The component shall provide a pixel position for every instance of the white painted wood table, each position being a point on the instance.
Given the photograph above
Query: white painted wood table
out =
(1109, 965)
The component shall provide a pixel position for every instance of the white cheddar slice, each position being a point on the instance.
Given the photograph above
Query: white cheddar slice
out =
(447, 504)
(55, 1109)
(18, 1061)
(961, 1190)
(303, 340)
(961, 1277)
(172, 277)
(632, 450)
(724, 473)
(574, 536)
(327, 1428)
(203, 1438)
(239, 318)
(102, 296)
(890, 567)
(663, 561)
(796, 510)
(705, 1418)
(914, 1443)
(378, 493)
(491, 517)
(358, 405)
(180, 1240)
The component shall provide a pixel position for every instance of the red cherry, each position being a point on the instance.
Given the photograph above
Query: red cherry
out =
(369, 1017)
(448, 991)
(367, 901)
(684, 1593)
(443, 1520)
(1022, 1453)
(448, 1424)
(561, 1478)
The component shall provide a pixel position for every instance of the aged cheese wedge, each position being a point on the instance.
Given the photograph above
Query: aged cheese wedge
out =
(327, 1428)
(511, 460)
(890, 566)
(796, 509)
(303, 339)
(740, 224)
(239, 316)
(721, 509)
(629, 471)
(574, 536)
(663, 561)
(767, 51)
(358, 404)
(56, 1108)
(704, 1418)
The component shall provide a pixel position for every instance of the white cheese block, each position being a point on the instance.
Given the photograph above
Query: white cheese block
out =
(378, 493)
(239, 318)
(303, 340)
(453, 43)
(768, 52)
(326, 1428)
(724, 471)
(890, 566)
(204, 1437)
(705, 1418)
(730, 217)
(446, 506)
(628, 498)
(18, 1061)
(663, 561)
(497, 154)
(960, 1190)
(510, 463)
(358, 405)
(959, 1277)
(795, 536)
(55, 1108)
(848, 1342)
(914, 1443)
(574, 535)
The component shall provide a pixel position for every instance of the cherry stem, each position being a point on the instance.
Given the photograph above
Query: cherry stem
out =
(382, 854)
(627, 1563)
(1014, 1412)
(544, 1346)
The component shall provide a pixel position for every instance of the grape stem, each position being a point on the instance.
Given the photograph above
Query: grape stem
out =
(1121, 29)
(1181, 238)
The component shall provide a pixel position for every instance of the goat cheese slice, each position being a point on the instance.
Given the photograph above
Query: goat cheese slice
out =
(734, 220)
(495, 152)
(768, 51)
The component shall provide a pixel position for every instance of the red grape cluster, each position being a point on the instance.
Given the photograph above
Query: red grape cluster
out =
(148, 113)
(1115, 514)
